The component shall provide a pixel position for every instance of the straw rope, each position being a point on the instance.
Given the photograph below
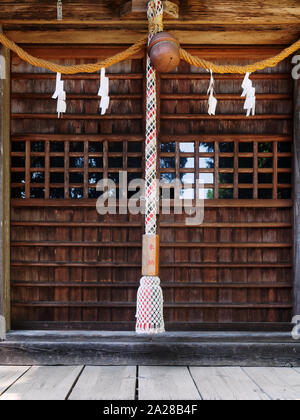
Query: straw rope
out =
(155, 25)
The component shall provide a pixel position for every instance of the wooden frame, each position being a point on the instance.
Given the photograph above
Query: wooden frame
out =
(296, 197)
(5, 194)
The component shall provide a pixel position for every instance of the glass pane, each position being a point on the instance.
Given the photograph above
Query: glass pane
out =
(187, 147)
(57, 162)
(245, 193)
(284, 162)
(225, 178)
(206, 193)
(76, 162)
(56, 193)
(98, 162)
(245, 147)
(95, 177)
(134, 162)
(245, 162)
(284, 178)
(188, 163)
(37, 162)
(284, 193)
(284, 147)
(37, 177)
(17, 162)
(57, 146)
(187, 178)
(18, 146)
(265, 194)
(37, 192)
(206, 163)
(37, 146)
(134, 147)
(76, 178)
(114, 177)
(57, 177)
(265, 162)
(76, 193)
(245, 178)
(205, 178)
(18, 192)
(227, 147)
(265, 147)
(133, 175)
(207, 147)
(115, 147)
(187, 194)
(265, 178)
(226, 193)
(95, 147)
(76, 147)
(167, 147)
(226, 162)
(18, 177)
(93, 193)
(167, 178)
(166, 162)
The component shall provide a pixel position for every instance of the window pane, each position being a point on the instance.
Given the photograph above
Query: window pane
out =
(166, 162)
(206, 163)
(95, 147)
(265, 162)
(226, 193)
(134, 147)
(245, 147)
(167, 178)
(93, 193)
(188, 163)
(227, 147)
(284, 178)
(57, 147)
(116, 147)
(167, 147)
(205, 178)
(18, 177)
(76, 178)
(265, 194)
(76, 146)
(206, 193)
(37, 146)
(76, 193)
(18, 162)
(57, 177)
(18, 146)
(37, 162)
(18, 192)
(284, 193)
(245, 178)
(265, 178)
(225, 162)
(245, 193)
(57, 193)
(98, 162)
(284, 147)
(265, 147)
(207, 147)
(284, 162)
(187, 194)
(225, 178)
(187, 147)
(37, 192)
(245, 162)
(57, 162)
(134, 162)
(95, 177)
(37, 177)
(187, 178)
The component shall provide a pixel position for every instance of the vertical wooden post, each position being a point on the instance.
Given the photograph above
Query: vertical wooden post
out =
(297, 197)
(5, 197)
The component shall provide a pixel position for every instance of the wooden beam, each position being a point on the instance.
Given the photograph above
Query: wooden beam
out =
(138, 9)
(130, 36)
(297, 197)
(5, 192)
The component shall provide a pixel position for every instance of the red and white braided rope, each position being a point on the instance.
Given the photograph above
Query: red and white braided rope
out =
(150, 298)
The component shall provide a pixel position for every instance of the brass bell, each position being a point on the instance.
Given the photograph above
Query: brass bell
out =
(164, 52)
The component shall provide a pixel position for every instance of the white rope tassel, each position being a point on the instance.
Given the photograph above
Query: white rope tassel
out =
(249, 93)
(212, 101)
(60, 95)
(104, 92)
(150, 298)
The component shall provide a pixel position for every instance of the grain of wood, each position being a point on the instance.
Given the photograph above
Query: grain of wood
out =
(226, 383)
(166, 383)
(277, 383)
(9, 374)
(44, 383)
(106, 383)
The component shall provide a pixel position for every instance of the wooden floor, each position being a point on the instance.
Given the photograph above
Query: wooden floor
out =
(148, 383)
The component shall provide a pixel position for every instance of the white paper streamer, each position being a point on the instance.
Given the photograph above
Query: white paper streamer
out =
(212, 101)
(104, 92)
(249, 93)
(2, 68)
(60, 95)
(59, 10)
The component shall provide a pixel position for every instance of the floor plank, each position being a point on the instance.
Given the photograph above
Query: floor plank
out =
(9, 374)
(225, 383)
(106, 383)
(44, 383)
(278, 383)
(166, 383)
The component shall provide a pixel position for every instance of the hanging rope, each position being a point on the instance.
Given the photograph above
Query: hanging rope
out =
(150, 298)
(80, 68)
(155, 24)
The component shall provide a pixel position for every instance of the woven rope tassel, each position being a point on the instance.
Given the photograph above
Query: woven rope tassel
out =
(150, 298)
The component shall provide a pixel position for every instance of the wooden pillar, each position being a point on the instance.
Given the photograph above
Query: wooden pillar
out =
(297, 197)
(5, 196)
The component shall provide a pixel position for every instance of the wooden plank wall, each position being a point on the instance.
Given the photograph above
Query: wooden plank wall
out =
(75, 269)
